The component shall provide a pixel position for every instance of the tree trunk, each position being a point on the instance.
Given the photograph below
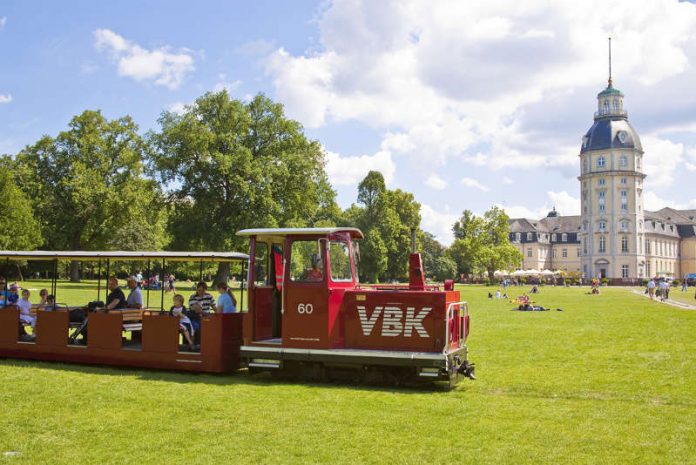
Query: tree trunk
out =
(74, 272)
(19, 273)
(491, 276)
(222, 275)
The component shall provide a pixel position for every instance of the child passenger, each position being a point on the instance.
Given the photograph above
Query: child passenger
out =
(178, 310)
(25, 311)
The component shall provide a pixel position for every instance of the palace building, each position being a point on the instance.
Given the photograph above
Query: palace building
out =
(613, 237)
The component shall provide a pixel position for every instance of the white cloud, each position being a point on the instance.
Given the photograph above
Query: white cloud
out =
(661, 158)
(436, 182)
(438, 223)
(471, 182)
(224, 83)
(177, 107)
(691, 159)
(159, 65)
(5, 98)
(564, 203)
(654, 202)
(498, 84)
(343, 171)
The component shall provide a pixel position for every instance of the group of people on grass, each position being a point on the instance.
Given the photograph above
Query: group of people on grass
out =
(659, 288)
(200, 303)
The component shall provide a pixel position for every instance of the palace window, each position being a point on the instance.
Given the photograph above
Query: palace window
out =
(624, 244)
(518, 237)
(564, 253)
(529, 253)
(624, 225)
(553, 253)
(624, 271)
(624, 181)
(553, 237)
(601, 181)
(647, 246)
(564, 237)
(601, 161)
(602, 225)
(529, 236)
(623, 161)
(602, 244)
(577, 250)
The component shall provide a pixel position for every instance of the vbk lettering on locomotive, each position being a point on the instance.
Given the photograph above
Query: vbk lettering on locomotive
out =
(393, 322)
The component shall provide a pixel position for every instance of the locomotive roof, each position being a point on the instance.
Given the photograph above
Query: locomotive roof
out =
(355, 233)
(122, 255)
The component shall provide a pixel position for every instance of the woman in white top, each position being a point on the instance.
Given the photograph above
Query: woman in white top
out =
(24, 306)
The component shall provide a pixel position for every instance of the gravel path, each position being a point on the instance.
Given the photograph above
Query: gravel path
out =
(673, 303)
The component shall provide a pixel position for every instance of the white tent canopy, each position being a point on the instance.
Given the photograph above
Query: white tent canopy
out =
(518, 273)
(547, 273)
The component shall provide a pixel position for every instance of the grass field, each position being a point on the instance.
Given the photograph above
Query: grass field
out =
(609, 380)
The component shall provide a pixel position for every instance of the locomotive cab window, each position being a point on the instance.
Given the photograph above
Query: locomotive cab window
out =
(261, 264)
(305, 262)
(339, 261)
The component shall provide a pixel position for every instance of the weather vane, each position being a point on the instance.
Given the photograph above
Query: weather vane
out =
(609, 61)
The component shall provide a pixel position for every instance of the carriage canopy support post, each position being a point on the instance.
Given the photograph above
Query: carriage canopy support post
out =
(99, 280)
(241, 289)
(148, 272)
(162, 286)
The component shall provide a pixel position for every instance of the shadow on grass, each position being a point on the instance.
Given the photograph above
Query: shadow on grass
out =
(239, 378)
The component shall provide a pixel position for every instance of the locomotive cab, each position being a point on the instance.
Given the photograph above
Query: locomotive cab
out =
(297, 279)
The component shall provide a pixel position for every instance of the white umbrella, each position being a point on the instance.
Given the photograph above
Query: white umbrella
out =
(532, 272)
(518, 273)
(547, 273)
(500, 273)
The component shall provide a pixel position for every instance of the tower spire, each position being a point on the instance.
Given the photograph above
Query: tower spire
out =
(610, 62)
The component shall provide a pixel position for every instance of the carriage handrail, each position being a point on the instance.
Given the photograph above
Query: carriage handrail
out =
(450, 309)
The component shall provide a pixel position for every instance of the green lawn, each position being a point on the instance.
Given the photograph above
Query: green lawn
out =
(684, 297)
(609, 380)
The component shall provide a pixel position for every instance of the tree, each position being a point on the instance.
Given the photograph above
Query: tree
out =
(444, 268)
(388, 217)
(235, 165)
(430, 250)
(19, 230)
(482, 243)
(89, 190)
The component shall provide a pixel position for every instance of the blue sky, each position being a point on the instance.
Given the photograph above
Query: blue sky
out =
(465, 104)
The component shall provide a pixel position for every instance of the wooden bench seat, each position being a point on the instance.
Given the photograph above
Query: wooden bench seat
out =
(132, 318)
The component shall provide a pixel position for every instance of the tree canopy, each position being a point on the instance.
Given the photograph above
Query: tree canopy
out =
(481, 243)
(88, 187)
(19, 230)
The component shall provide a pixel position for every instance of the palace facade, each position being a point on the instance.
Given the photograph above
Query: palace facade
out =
(613, 237)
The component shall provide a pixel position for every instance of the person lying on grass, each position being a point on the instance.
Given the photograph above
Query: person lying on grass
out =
(185, 327)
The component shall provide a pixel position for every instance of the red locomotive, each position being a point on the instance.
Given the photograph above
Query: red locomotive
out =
(307, 315)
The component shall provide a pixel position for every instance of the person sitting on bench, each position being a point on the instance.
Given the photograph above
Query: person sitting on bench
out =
(185, 327)
(116, 300)
(135, 298)
(25, 316)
